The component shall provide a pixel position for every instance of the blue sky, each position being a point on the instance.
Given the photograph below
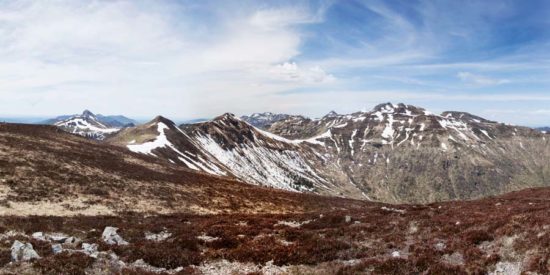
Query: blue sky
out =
(189, 59)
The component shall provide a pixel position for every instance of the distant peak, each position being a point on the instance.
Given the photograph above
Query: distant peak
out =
(332, 114)
(161, 119)
(87, 113)
(226, 116)
(228, 119)
(399, 108)
(262, 114)
(387, 106)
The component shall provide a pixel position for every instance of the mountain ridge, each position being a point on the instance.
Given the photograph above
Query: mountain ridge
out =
(389, 154)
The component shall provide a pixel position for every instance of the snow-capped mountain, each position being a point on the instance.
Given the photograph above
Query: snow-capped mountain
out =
(91, 126)
(545, 130)
(224, 146)
(394, 153)
(264, 120)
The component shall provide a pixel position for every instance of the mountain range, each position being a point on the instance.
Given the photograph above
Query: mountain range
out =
(394, 153)
(91, 125)
(206, 198)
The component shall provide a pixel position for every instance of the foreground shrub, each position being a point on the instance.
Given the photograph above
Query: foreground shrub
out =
(64, 263)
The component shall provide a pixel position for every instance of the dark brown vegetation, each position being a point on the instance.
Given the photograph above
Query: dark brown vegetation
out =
(45, 164)
(512, 228)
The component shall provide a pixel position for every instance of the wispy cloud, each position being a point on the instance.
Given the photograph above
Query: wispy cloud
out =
(477, 79)
(292, 72)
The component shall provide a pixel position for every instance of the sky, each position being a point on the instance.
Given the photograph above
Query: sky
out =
(200, 59)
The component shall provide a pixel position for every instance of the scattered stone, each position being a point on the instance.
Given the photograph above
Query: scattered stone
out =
(57, 237)
(142, 265)
(413, 227)
(72, 242)
(400, 211)
(396, 254)
(454, 259)
(21, 252)
(348, 219)
(293, 224)
(110, 236)
(39, 236)
(57, 248)
(207, 238)
(11, 234)
(90, 249)
(158, 237)
(507, 268)
(440, 246)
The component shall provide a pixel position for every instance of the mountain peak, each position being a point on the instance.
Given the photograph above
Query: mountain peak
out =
(87, 113)
(226, 116)
(332, 114)
(161, 119)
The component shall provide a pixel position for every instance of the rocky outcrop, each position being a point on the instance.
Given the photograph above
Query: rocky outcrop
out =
(21, 252)
(110, 236)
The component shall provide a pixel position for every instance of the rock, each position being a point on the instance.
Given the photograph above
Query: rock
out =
(348, 219)
(39, 236)
(110, 236)
(57, 248)
(90, 249)
(440, 246)
(72, 242)
(57, 237)
(23, 252)
(158, 237)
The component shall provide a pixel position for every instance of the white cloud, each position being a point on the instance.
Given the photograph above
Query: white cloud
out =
(292, 72)
(141, 59)
(481, 80)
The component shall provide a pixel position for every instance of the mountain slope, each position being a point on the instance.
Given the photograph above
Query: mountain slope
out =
(404, 153)
(225, 146)
(45, 171)
(394, 153)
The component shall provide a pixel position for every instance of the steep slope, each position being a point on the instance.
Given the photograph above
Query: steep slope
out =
(405, 153)
(224, 146)
(45, 171)
(88, 125)
(162, 138)
(253, 155)
(394, 153)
